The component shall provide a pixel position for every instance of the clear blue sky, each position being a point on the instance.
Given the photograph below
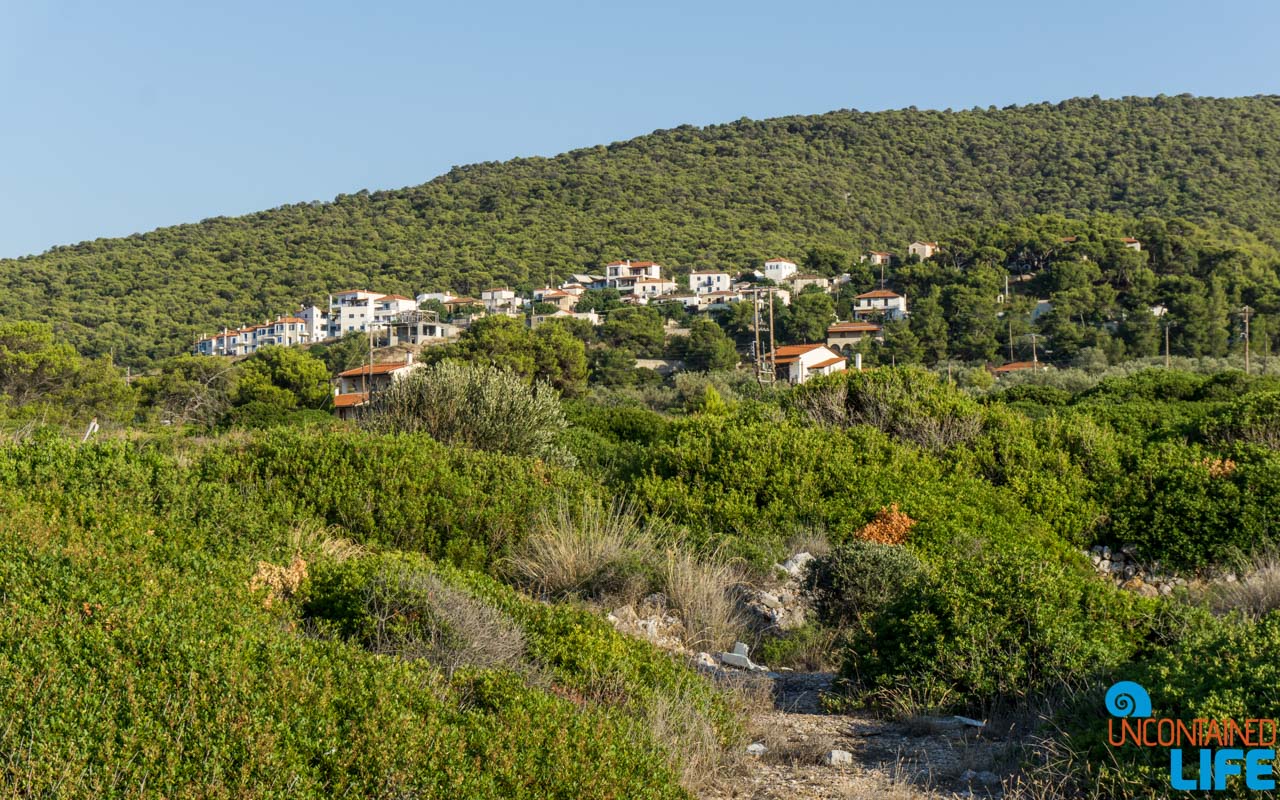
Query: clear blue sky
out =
(125, 116)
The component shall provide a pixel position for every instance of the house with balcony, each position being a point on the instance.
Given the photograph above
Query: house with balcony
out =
(622, 275)
(649, 288)
(707, 282)
(846, 337)
(501, 301)
(880, 302)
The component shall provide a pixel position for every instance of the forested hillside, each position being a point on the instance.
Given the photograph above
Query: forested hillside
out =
(726, 195)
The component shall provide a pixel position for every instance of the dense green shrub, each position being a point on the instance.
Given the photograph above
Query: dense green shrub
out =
(1251, 419)
(858, 579)
(906, 403)
(136, 661)
(1191, 508)
(993, 625)
(1214, 668)
(479, 406)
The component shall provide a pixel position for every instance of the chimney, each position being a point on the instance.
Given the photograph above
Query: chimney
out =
(408, 357)
(857, 361)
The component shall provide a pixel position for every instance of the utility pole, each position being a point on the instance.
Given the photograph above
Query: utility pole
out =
(1011, 340)
(1035, 359)
(1167, 325)
(1246, 311)
(882, 273)
(772, 349)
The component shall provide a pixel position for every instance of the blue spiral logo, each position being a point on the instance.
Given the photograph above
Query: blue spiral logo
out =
(1128, 699)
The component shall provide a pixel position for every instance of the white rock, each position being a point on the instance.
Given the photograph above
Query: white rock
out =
(973, 723)
(735, 660)
(706, 660)
(757, 749)
(837, 758)
(741, 649)
(797, 563)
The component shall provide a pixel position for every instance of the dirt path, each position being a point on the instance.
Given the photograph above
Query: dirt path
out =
(928, 758)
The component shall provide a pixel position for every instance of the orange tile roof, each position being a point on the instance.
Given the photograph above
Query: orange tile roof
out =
(350, 400)
(878, 293)
(291, 319)
(1129, 240)
(1014, 366)
(783, 260)
(879, 253)
(797, 349)
(827, 363)
(377, 369)
(393, 297)
(853, 327)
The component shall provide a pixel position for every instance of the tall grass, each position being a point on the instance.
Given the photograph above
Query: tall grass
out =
(580, 550)
(1258, 594)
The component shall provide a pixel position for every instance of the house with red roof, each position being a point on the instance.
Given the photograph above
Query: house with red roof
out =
(797, 363)
(884, 303)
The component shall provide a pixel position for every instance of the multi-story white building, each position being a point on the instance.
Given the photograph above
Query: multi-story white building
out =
(622, 275)
(283, 332)
(649, 288)
(888, 303)
(779, 269)
(352, 310)
(708, 282)
(501, 301)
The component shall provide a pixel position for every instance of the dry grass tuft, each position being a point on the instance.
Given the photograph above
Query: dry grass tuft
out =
(416, 615)
(889, 526)
(1256, 595)
(701, 593)
(319, 541)
(280, 583)
(573, 548)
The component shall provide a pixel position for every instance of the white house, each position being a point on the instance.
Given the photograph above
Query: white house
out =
(282, 332)
(622, 275)
(1131, 243)
(881, 301)
(439, 297)
(877, 258)
(649, 288)
(924, 250)
(587, 316)
(500, 301)
(797, 363)
(708, 282)
(779, 269)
